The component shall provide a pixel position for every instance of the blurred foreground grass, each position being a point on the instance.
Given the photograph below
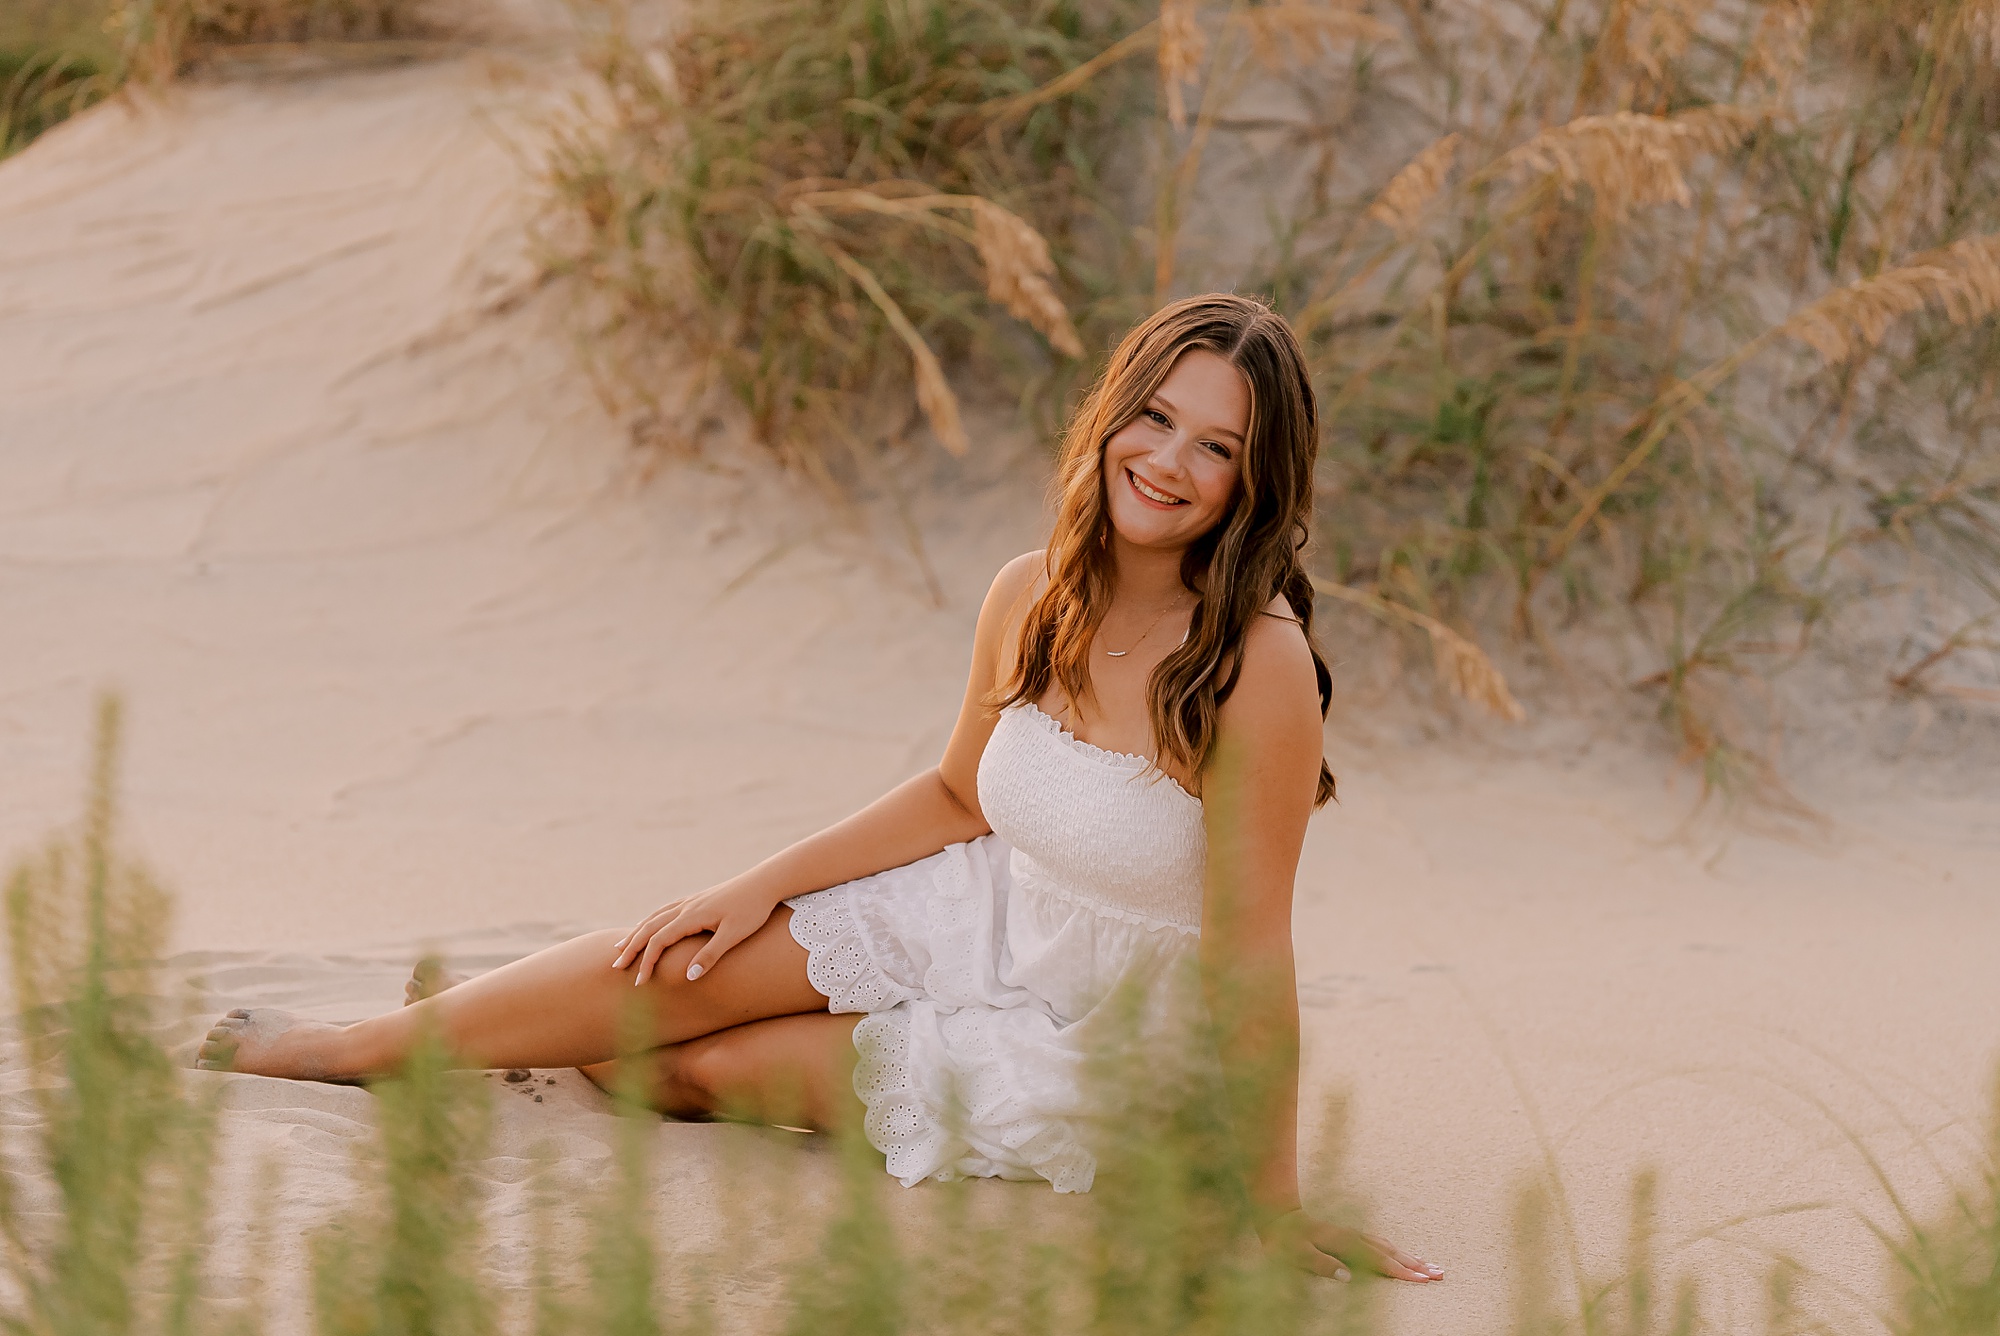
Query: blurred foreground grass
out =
(106, 1211)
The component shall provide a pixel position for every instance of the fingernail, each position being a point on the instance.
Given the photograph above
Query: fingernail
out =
(1343, 1274)
(694, 972)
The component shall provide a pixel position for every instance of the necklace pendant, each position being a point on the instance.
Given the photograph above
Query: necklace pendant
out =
(1116, 653)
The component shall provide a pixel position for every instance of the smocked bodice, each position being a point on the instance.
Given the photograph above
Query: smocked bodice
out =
(986, 970)
(1104, 830)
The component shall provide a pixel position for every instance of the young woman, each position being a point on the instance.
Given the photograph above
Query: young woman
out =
(963, 936)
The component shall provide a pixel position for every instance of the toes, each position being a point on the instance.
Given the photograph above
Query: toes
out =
(218, 1047)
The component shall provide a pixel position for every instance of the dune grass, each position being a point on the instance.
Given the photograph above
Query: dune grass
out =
(1678, 332)
(105, 1199)
(40, 88)
(817, 204)
(56, 58)
(59, 57)
(164, 39)
(1654, 337)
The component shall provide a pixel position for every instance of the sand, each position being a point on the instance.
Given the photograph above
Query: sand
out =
(418, 653)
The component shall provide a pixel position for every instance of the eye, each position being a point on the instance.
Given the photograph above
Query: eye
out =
(1154, 415)
(1220, 450)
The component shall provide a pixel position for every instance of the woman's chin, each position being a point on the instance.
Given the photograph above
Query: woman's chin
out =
(1153, 531)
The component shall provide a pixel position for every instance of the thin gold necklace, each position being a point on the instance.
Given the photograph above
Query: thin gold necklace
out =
(1121, 653)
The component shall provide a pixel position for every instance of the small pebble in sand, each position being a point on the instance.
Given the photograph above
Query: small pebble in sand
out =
(538, 1099)
(518, 1075)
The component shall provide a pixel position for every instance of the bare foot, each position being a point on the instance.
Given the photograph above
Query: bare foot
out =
(428, 979)
(268, 1042)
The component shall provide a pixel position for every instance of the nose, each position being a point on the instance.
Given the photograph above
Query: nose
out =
(1169, 457)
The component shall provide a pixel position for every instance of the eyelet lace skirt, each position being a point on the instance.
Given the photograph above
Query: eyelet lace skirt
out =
(979, 993)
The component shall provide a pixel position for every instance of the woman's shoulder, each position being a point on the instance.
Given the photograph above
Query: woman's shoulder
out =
(1013, 589)
(1278, 675)
(1018, 581)
(1022, 573)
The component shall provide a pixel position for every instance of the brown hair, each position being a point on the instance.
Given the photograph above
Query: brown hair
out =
(1253, 554)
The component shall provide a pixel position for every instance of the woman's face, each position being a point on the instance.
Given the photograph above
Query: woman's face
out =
(1171, 472)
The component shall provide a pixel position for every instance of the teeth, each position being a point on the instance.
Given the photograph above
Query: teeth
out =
(1144, 490)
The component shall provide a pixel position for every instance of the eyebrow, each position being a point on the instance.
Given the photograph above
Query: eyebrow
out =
(1219, 431)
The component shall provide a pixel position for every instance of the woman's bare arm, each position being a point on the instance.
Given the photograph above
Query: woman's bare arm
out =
(1257, 796)
(918, 817)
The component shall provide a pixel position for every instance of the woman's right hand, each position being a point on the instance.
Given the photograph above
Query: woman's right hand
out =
(730, 912)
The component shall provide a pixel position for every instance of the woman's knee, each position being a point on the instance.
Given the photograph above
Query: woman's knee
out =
(669, 1087)
(708, 1073)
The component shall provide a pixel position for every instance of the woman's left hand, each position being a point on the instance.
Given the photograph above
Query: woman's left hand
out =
(1322, 1248)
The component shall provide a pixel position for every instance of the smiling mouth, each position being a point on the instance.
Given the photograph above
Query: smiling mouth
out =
(1153, 494)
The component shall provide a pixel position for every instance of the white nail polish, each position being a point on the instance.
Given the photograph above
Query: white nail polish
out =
(1343, 1274)
(694, 972)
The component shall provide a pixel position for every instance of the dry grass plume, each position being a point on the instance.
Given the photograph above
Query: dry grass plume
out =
(1627, 159)
(1292, 31)
(1963, 278)
(1400, 206)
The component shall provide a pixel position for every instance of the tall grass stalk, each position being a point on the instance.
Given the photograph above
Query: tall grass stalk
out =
(104, 1200)
(406, 1264)
(622, 1252)
(114, 1130)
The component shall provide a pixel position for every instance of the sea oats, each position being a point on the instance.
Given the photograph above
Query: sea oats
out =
(1182, 46)
(934, 393)
(1778, 49)
(1963, 278)
(1401, 204)
(1294, 30)
(1013, 254)
(1658, 33)
(1627, 159)
(1462, 667)
(1017, 262)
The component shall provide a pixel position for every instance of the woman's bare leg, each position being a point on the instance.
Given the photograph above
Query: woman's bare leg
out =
(793, 1071)
(562, 1007)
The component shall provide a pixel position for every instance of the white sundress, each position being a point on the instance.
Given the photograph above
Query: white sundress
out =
(985, 969)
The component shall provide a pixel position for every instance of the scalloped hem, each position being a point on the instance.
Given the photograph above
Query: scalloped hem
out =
(915, 1138)
(839, 963)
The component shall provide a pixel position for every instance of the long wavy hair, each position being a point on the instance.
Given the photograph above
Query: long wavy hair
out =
(1253, 554)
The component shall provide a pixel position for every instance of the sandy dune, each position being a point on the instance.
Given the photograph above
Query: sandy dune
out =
(291, 451)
